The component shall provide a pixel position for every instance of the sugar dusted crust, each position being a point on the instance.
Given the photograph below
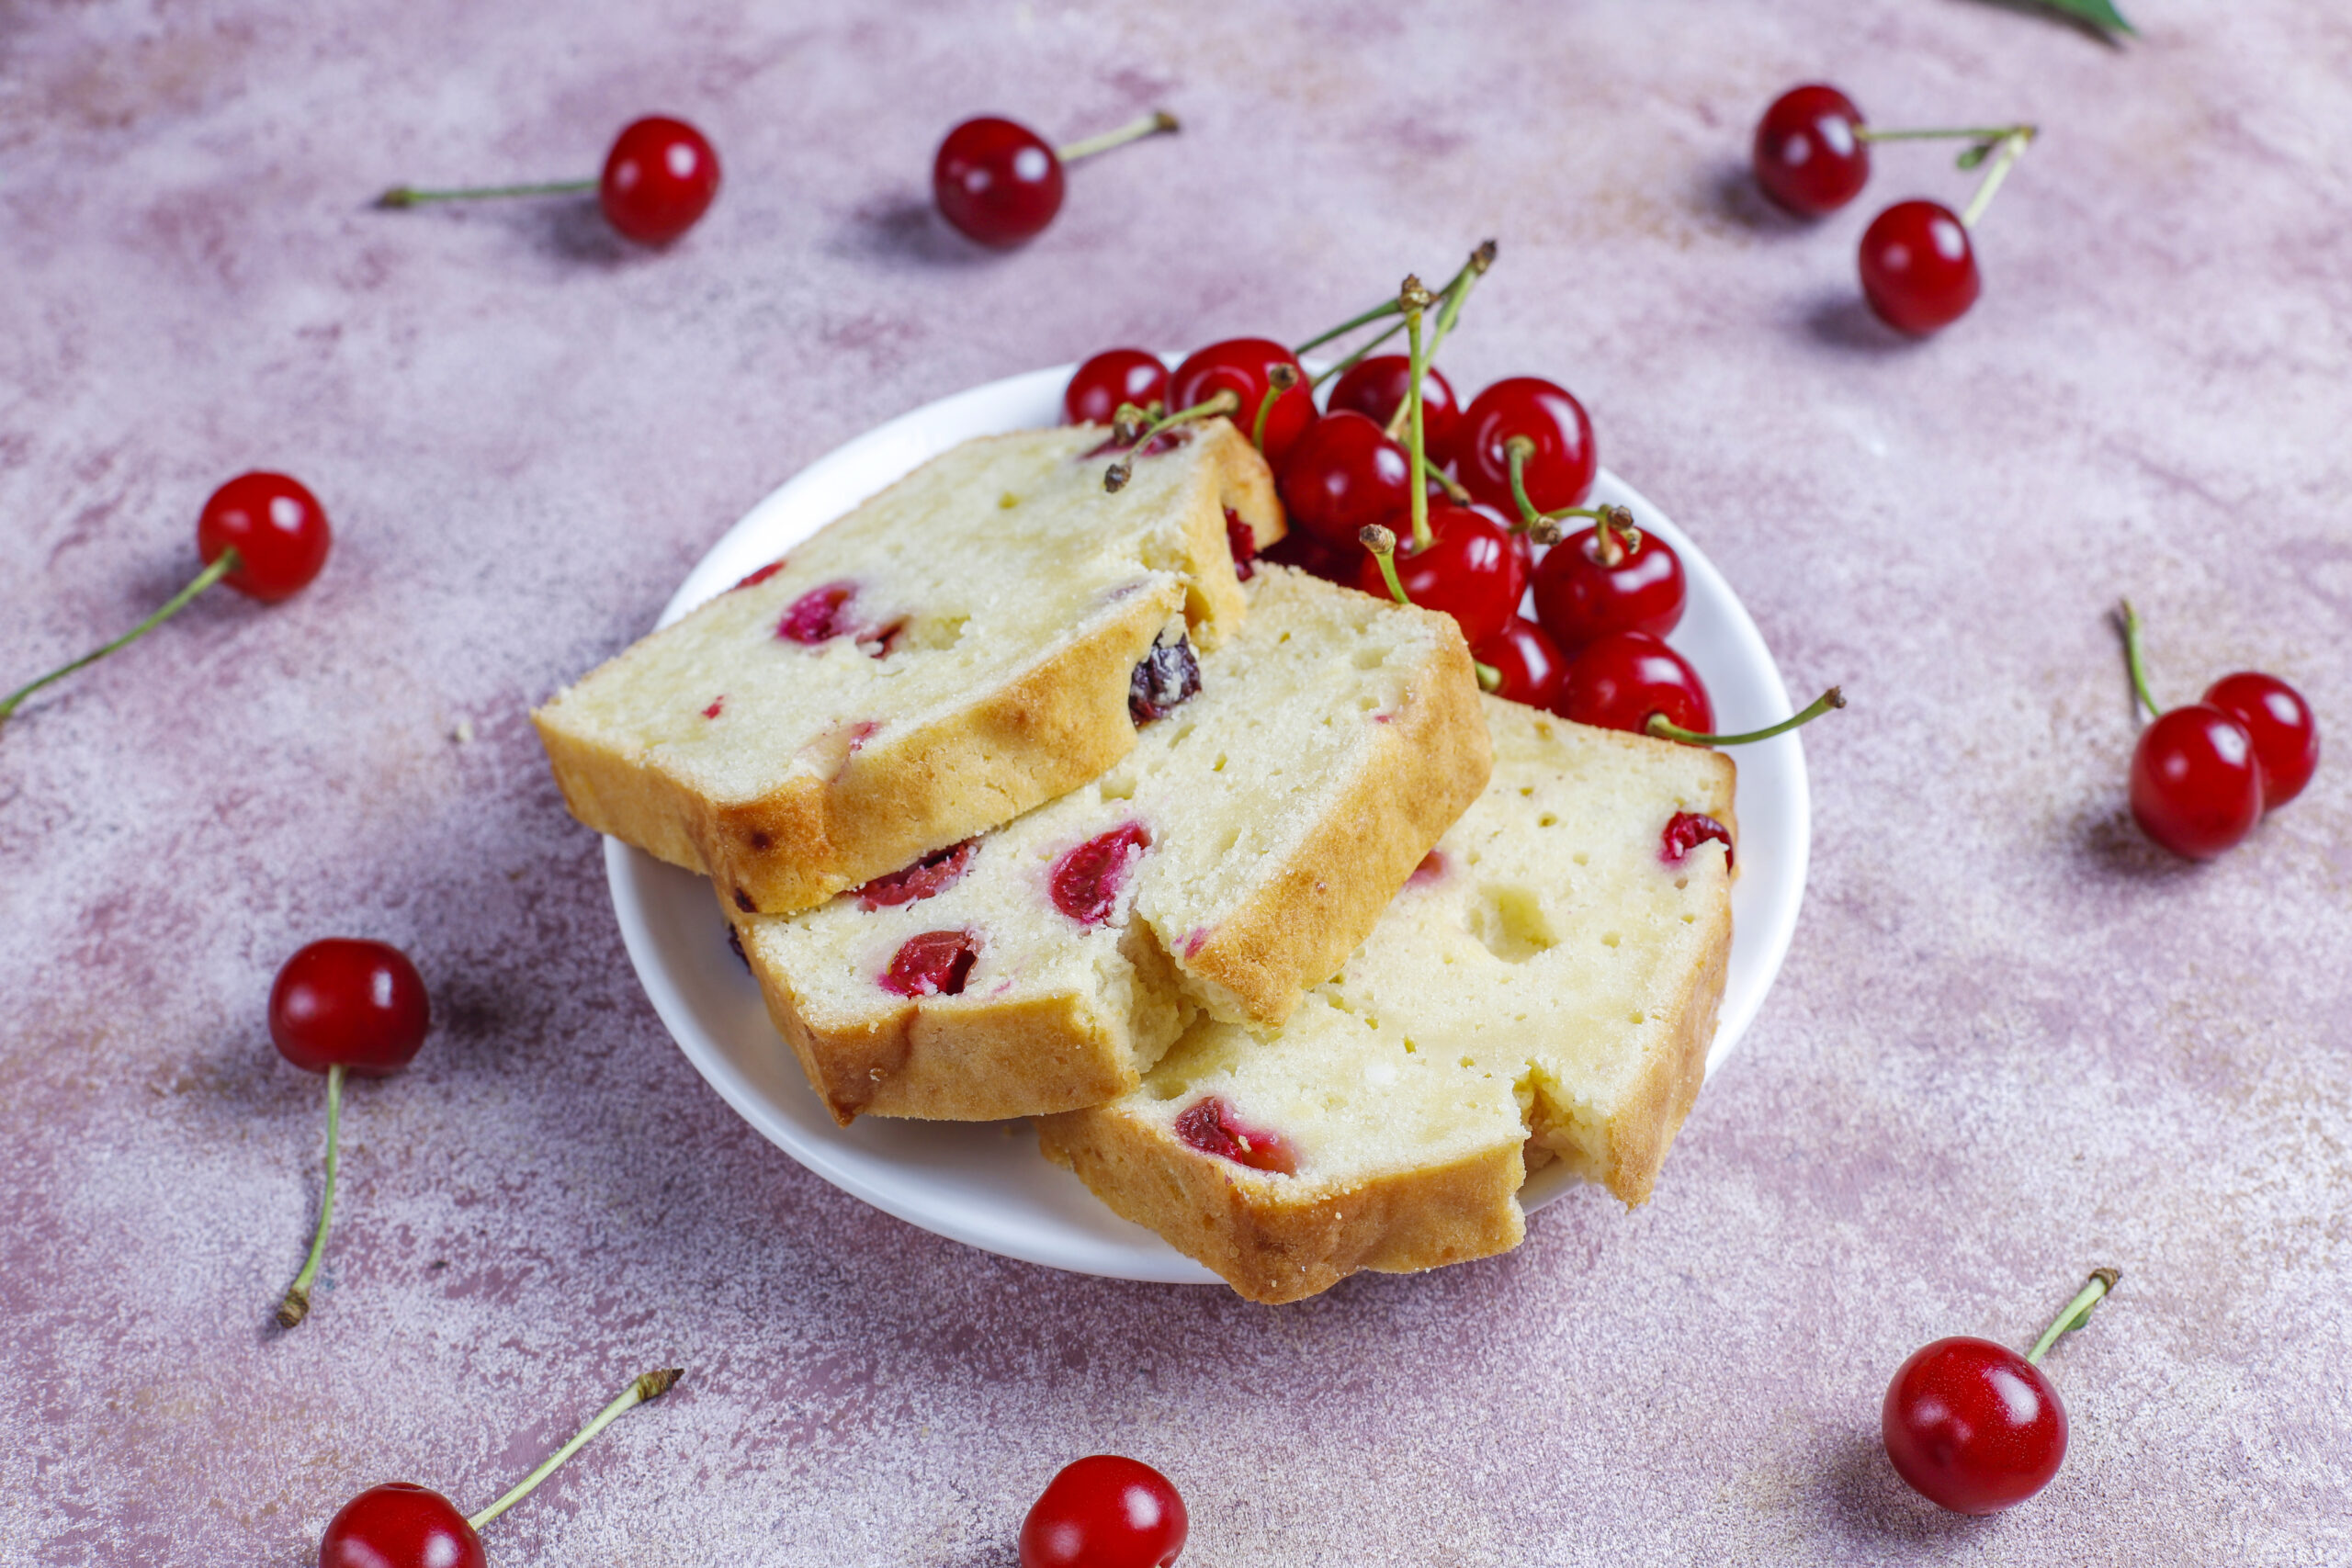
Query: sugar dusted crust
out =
(814, 801)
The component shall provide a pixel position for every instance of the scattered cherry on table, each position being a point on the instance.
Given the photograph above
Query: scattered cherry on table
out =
(2204, 774)
(999, 183)
(342, 1006)
(1105, 1511)
(2279, 722)
(1110, 379)
(1810, 155)
(1919, 268)
(659, 179)
(262, 533)
(1973, 1426)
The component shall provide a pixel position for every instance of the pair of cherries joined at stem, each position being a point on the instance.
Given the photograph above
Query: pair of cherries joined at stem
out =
(263, 534)
(2205, 773)
(1812, 155)
(998, 183)
(1973, 1426)
(659, 179)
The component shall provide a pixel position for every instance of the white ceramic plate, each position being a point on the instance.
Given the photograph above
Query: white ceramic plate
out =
(986, 1184)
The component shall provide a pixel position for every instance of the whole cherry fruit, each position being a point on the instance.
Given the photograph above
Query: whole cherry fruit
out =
(1620, 681)
(2285, 735)
(400, 1525)
(1244, 367)
(1104, 1511)
(278, 528)
(2196, 788)
(1469, 570)
(1973, 1426)
(358, 1005)
(1595, 583)
(998, 181)
(1343, 475)
(1918, 269)
(1113, 376)
(1558, 471)
(1374, 386)
(1527, 663)
(1809, 157)
(659, 180)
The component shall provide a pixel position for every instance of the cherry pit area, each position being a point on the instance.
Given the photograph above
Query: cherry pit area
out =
(984, 1184)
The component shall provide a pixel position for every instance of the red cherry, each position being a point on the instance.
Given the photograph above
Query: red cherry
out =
(1918, 269)
(1686, 830)
(400, 1525)
(1973, 1426)
(1470, 570)
(1580, 597)
(1344, 475)
(2196, 788)
(1210, 1126)
(342, 1002)
(998, 181)
(1308, 553)
(1241, 543)
(927, 878)
(1113, 376)
(659, 179)
(1086, 881)
(1241, 365)
(1531, 664)
(1619, 680)
(818, 616)
(2285, 735)
(935, 964)
(1807, 156)
(1558, 473)
(1374, 386)
(1104, 1511)
(278, 529)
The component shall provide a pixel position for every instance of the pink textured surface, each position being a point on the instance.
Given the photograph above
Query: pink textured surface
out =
(2012, 1041)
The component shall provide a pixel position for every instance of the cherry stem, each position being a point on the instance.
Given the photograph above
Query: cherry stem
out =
(1279, 379)
(1413, 300)
(1115, 477)
(2134, 661)
(1452, 486)
(1987, 134)
(1456, 292)
(408, 196)
(1518, 449)
(1480, 260)
(297, 1305)
(228, 562)
(1383, 546)
(1489, 678)
(652, 1385)
(2078, 1312)
(2012, 148)
(1350, 363)
(1156, 122)
(1659, 726)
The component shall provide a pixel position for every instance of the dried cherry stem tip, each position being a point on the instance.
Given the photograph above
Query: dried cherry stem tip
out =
(1157, 122)
(2136, 661)
(1279, 379)
(1453, 295)
(297, 1305)
(652, 1385)
(1657, 726)
(408, 196)
(2077, 1311)
(229, 562)
(1383, 546)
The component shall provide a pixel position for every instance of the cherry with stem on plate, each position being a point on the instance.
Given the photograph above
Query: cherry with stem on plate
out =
(1105, 1511)
(1112, 378)
(1272, 402)
(262, 533)
(1527, 666)
(1975, 1428)
(1343, 475)
(1525, 445)
(1633, 682)
(1374, 386)
(2197, 782)
(1919, 264)
(1812, 153)
(659, 179)
(1138, 433)
(402, 1524)
(342, 1006)
(999, 183)
(1612, 577)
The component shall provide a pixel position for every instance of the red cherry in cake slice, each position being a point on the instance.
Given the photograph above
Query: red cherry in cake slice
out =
(819, 616)
(2279, 723)
(1112, 380)
(1608, 578)
(1470, 569)
(1087, 880)
(1686, 830)
(1528, 665)
(1376, 387)
(1163, 680)
(1210, 1126)
(1000, 183)
(342, 1006)
(927, 878)
(659, 179)
(263, 534)
(1536, 424)
(1241, 540)
(1343, 475)
(936, 963)
(1105, 1511)
(1246, 366)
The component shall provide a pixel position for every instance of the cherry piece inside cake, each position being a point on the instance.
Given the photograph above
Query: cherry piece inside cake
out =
(955, 651)
(1543, 989)
(1282, 794)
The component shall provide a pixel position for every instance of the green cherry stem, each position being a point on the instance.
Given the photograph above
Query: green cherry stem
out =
(1518, 449)
(1412, 299)
(228, 562)
(1480, 260)
(652, 1385)
(1383, 546)
(1156, 123)
(1657, 726)
(1279, 379)
(2012, 148)
(1350, 363)
(2076, 1313)
(297, 1305)
(1942, 133)
(2136, 661)
(1115, 477)
(1456, 292)
(401, 197)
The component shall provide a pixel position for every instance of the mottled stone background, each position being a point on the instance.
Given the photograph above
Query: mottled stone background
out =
(2012, 1041)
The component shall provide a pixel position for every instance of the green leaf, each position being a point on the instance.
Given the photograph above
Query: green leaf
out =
(1975, 155)
(2098, 13)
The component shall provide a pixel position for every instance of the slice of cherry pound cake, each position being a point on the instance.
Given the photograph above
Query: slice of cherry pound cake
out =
(1544, 988)
(1275, 801)
(957, 650)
